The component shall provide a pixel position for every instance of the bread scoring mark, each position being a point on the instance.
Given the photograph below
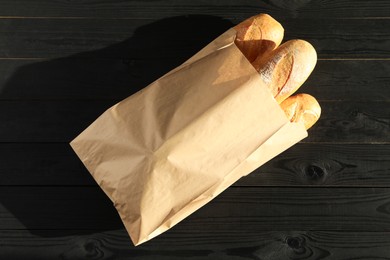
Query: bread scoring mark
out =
(294, 108)
(267, 70)
(283, 89)
(312, 112)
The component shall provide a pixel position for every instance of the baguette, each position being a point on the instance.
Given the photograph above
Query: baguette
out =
(258, 35)
(284, 69)
(302, 108)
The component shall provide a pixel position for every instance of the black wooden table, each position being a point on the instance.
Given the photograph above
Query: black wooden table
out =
(62, 63)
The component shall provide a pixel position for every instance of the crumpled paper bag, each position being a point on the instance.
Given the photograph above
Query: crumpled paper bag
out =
(169, 149)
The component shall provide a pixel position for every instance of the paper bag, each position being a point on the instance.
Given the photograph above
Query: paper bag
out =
(170, 148)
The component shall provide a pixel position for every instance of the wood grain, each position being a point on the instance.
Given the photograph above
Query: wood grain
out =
(178, 244)
(346, 121)
(349, 80)
(63, 120)
(134, 39)
(352, 165)
(48, 121)
(94, 78)
(160, 9)
(325, 165)
(78, 78)
(238, 209)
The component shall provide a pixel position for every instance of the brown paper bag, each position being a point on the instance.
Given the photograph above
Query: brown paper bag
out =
(170, 148)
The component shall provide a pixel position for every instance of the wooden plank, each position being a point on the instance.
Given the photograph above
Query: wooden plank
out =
(338, 38)
(349, 80)
(176, 244)
(124, 39)
(237, 210)
(160, 9)
(346, 121)
(135, 39)
(325, 165)
(329, 165)
(76, 78)
(49, 207)
(41, 164)
(48, 121)
(62, 120)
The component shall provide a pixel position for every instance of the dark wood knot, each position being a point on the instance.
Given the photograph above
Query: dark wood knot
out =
(314, 173)
(294, 242)
(297, 247)
(93, 248)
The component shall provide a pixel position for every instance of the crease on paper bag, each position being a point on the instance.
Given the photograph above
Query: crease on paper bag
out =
(170, 148)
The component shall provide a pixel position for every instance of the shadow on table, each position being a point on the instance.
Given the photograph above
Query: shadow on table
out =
(61, 97)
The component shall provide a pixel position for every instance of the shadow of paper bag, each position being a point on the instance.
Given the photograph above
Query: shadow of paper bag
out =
(170, 148)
